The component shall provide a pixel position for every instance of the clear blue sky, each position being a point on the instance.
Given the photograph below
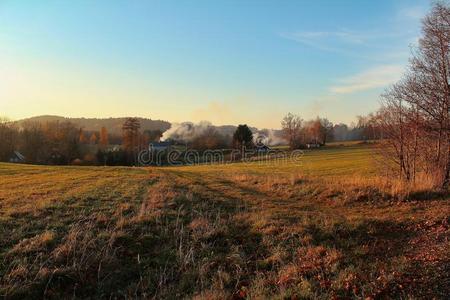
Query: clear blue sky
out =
(227, 62)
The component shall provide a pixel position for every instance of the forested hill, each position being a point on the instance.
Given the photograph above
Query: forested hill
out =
(113, 125)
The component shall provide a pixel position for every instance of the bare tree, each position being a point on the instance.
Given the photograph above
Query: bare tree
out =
(326, 128)
(416, 109)
(8, 138)
(291, 126)
(34, 143)
(209, 139)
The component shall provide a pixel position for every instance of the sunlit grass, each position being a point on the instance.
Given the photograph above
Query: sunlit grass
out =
(328, 226)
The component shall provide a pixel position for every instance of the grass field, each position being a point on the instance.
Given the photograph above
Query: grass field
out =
(327, 226)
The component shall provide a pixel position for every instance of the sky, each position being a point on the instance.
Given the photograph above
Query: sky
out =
(227, 62)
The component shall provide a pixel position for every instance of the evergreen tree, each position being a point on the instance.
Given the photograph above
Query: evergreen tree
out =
(243, 136)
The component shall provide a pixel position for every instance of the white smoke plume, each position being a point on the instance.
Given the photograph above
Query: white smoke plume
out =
(269, 137)
(185, 131)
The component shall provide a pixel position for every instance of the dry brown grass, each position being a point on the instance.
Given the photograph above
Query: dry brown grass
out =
(222, 232)
(378, 188)
(34, 244)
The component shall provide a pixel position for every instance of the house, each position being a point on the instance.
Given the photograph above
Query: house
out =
(313, 145)
(112, 148)
(160, 146)
(17, 157)
(263, 149)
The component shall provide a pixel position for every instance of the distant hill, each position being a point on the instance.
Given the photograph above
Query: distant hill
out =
(113, 125)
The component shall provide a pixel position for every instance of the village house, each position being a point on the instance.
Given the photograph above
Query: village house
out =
(17, 157)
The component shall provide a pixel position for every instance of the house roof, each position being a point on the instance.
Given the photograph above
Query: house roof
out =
(18, 155)
(161, 144)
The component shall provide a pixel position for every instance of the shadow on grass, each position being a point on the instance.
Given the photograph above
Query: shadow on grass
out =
(203, 245)
(195, 242)
(377, 250)
(382, 238)
(429, 195)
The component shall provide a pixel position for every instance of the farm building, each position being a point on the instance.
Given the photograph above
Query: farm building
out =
(313, 145)
(263, 149)
(160, 146)
(17, 157)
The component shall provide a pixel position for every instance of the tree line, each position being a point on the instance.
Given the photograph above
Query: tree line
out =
(317, 132)
(62, 143)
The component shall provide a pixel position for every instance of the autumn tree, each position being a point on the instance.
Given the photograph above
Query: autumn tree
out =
(104, 139)
(313, 129)
(81, 137)
(130, 137)
(93, 139)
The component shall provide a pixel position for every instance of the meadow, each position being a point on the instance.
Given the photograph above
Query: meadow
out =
(330, 225)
